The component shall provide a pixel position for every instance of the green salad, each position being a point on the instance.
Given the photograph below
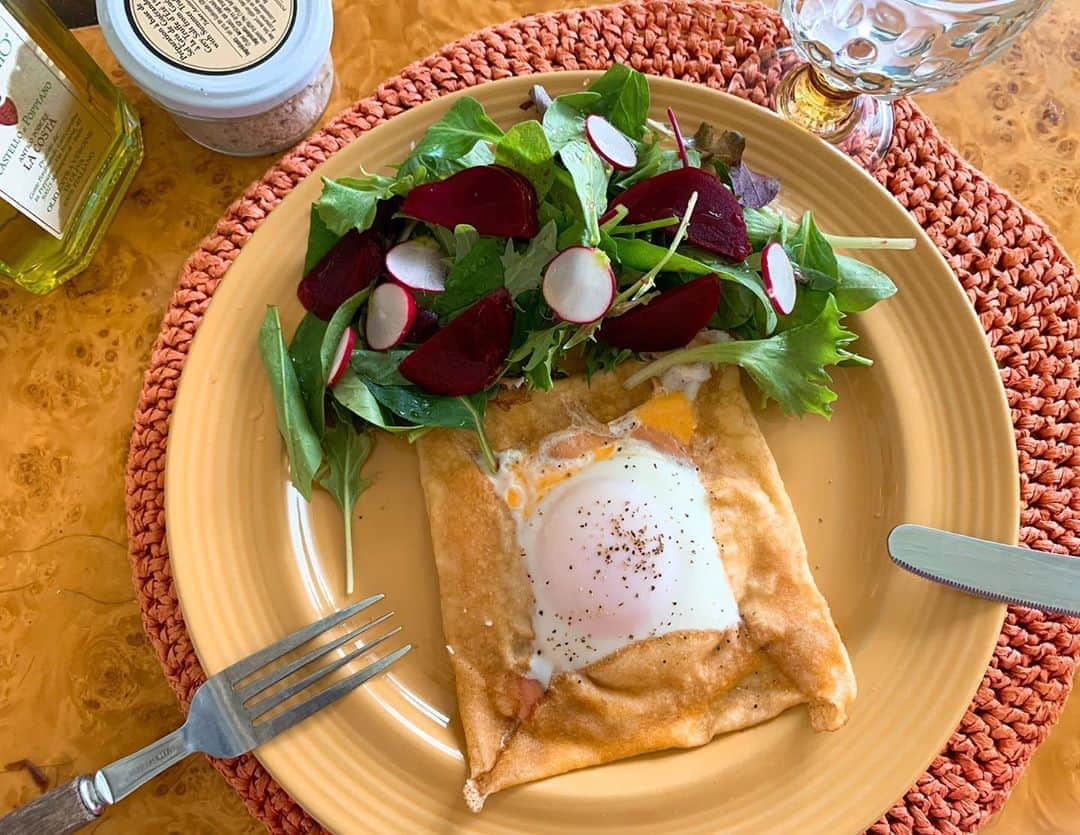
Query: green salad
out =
(576, 240)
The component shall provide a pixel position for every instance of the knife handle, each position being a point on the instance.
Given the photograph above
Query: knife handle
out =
(67, 808)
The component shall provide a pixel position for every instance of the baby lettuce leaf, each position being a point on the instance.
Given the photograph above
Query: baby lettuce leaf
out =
(380, 367)
(810, 249)
(788, 367)
(590, 178)
(861, 286)
(346, 451)
(304, 353)
(624, 99)
(320, 240)
(351, 202)
(423, 409)
(312, 352)
(525, 149)
(301, 439)
(449, 144)
(353, 394)
(477, 274)
(523, 271)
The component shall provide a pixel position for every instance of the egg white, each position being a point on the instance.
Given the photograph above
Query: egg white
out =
(618, 547)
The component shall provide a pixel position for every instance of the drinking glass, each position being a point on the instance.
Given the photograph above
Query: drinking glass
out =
(850, 59)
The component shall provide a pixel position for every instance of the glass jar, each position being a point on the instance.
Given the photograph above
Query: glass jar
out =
(69, 146)
(243, 77)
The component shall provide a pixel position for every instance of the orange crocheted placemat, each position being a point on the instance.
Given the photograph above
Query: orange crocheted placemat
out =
(1021, 284)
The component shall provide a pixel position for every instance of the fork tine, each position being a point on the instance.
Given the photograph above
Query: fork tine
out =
(272, 727)
(257, 660)
(275, 699)
(273, 677)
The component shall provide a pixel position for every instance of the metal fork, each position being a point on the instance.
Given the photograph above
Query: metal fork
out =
(222, 722)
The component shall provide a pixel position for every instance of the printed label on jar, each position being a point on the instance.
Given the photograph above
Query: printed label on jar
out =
(51, 144)
(214, 37)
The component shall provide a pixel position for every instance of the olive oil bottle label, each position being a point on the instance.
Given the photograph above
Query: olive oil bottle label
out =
(51, 144)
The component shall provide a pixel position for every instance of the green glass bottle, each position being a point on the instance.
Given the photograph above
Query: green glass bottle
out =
(69, 145)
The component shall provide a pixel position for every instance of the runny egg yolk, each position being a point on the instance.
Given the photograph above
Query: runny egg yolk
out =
(670, 412)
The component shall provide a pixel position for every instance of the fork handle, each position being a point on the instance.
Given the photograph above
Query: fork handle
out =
(65, 809)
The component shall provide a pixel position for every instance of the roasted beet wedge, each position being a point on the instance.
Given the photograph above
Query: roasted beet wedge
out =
(669, 321)
(492, 199)
(717, 223)
(354, 262)
(467, 355)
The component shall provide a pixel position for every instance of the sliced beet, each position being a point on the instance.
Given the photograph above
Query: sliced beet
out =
(467, 355)
(669, 321)
(424, 326)
(717, 223)
(491, 198)
(351, 265)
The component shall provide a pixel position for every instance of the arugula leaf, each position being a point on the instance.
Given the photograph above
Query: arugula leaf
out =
(320, 240)
(525, 149)
(474, 276)
(810, 249)
(788, 367)
(624, 99)
(861, 286)
(525, 270)
(346, 451)
(304, 354)
(447, 145)
(301, 440)
(380, 367)
(350, 202)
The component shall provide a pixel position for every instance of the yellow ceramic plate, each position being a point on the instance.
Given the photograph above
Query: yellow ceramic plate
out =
(923, 436)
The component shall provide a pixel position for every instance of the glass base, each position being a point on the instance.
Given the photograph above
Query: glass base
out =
(859, 125)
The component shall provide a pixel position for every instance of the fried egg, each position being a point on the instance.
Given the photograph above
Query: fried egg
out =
(614, 527)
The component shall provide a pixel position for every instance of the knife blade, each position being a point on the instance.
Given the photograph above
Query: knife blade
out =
(1005, 573)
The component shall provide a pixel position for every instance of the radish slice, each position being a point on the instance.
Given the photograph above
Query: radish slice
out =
(610, 143)
(779, 277)
(418, 265)
(390, 314)
(341, 356)
(579, 284)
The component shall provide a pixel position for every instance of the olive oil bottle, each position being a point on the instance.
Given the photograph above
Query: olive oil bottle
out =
(69, 145)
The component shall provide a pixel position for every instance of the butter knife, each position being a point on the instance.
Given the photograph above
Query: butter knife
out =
(1049, 582)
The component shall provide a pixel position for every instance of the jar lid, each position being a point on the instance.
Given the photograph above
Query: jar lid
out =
(219, 59)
